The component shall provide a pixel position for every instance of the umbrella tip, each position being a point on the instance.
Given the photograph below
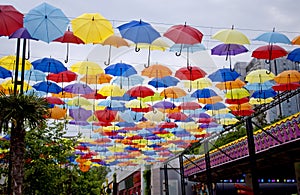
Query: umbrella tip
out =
(273, 29)
(232, 27)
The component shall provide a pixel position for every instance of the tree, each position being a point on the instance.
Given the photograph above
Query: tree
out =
(21, 112)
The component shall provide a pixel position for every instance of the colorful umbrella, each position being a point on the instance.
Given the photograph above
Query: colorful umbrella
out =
(189, 106)
(269, 52)
(10, 20)
(111, 90)
(92, 28)
(46, 22)
(173, 92)
(259, 76)
(132, 80)
(48, 87)
(68, 38)
(4, 73)
(115, 41)
(204, 93)
(224, 75)
(57, 113)
(264, 94)
(184, 34)
(192, 73)
(78, 88)
(64, 76)
(199, 83)
(288, 76)
(49, 65)
(9, 63)
(286, 87)
(164, 82)
(55, 100)
(34, 75)
(120, 69)
(259, 86)
(294, 55)
(273, 37)
(79, 101)
(237, 83)
(86, 68)
(164, 105)
(140, 91)
(231, 36)
(157, 71)
(96, 79)
(237, 93)
(210, 100)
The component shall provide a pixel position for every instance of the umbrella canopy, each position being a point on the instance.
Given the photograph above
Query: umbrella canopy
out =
(55, 100)
(111, 90)
(286, 87)
(46, 22)
(259, 76)
(78, 88)
(64, 76)
(96, 79)
(48, 87)
(204, 93)
(288, 76)
(34, 75)
(228, 49)
(9, 63)
(189, 106)
(140, 91)
(259, 86)
(92, 27)
(294, 55)
(264, 94)
(21, 33)
(138, 32)
(4, 73)
(86, 68)
(231, 36)
(157, 71)
(173, 92)
(184, 34)
(10, 20)
(230, 84)
(132, 80)
(69, 37)
(238, 93)
(273, 37)
(57, 113)
(269, 52)
(50, 65)
(190, 73)
(164, 105)
(164, 82)
(223, 75)
(120, 69)
(199, 83)
(114, 41)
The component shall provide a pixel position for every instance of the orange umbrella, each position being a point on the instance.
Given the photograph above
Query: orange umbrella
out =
(157, 71)
(288, 76)
(57, 113)
(210, 100)
(64, 95)
(236, 107)
(228, 85)
(173, 92)
(96, 79)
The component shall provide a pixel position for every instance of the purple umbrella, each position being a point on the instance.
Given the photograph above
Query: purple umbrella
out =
(228, 50)
(78, 88)
(164, 105)
(80, 114)
(22, 33)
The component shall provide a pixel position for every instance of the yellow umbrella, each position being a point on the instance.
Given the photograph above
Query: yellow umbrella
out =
(228, 121)
(157, 44)
(79, 101)
(155, 116)
(231, 36)
(64, 95)
(87, 68)
(111, 90)
(258, 101)
(259, 76)
(198, 83)
(9, 63)
(92, 27)
(155, 97)
(136, 104)
(237, 93)
(220, 111)
(9, 85)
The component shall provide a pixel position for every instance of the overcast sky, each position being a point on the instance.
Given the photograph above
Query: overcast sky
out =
(251, 17)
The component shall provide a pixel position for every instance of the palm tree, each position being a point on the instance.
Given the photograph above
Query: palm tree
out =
(21, 113)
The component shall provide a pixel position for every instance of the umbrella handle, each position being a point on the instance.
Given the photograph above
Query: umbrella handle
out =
(178, 53)
(146, 65)
(136, 48)
(28, 52)
(109, 54)
(67, 55)
(267, 61)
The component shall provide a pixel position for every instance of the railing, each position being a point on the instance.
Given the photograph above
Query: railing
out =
(286, 131)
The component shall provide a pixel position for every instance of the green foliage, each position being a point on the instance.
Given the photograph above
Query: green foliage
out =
(147, 178)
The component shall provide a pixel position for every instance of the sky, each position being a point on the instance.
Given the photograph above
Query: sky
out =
(251, 17)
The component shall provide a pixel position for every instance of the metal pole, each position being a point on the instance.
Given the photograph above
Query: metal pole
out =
(17, 66)
(23, 67)
(208, 169)
(182, 175)
(166, 179)
(252, 157)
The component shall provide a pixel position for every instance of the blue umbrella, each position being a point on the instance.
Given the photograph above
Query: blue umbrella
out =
(259, 86)
(48, 87)
(294, 55)
(264, 94)
(4, 73)
(223, 75)
(46, 22)
(273, 37)
(216, 106)
(49, 65)
(132, 80)
(138, 32)
(120, 69)
(204, 93)
(164, 82)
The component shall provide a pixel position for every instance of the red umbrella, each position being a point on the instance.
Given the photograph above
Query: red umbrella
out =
(64, 76)
(269, 52)
(189, 106)
(106, 115)
(286, 87)
(177, 116)
(93, 95)
(10, 20)
(54, 100)
(166, 125)
(184, 34)
(140, 91)
(192, 73)
(69, 37)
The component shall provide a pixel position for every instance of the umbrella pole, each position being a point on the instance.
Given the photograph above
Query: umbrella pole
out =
(23, 67)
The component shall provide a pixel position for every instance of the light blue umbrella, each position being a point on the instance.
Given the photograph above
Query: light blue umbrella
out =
(132, 80)
(259, 86)
(46, 22)
(164, 82)
(113, 104)
(273, 37)
(34, 75)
